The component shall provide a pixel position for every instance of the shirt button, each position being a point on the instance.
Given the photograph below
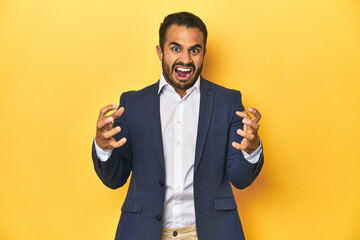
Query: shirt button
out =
(158, 217)
(161, 183)
(175, 233)
(178, 142)
(178, 122)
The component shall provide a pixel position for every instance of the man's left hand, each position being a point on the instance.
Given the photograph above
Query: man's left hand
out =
(251, 139)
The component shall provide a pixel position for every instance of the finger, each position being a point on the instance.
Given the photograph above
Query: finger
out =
(243, 114)
(247, 135)
(251, 125)
(256, 113)
(239, 146)
(112, 132)
(103, 111)
(118, 113)
(105, 122)
(119, 143)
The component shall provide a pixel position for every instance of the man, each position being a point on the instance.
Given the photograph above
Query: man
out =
(183, 138)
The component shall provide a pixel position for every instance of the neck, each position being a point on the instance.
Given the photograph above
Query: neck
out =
(181, 92)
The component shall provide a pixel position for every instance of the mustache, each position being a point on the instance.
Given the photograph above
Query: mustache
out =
(183, 65)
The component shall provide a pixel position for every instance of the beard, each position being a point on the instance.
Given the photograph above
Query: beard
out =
(180, 85)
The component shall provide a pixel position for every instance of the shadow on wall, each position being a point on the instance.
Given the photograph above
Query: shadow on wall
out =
(250, 197)
(247, 199)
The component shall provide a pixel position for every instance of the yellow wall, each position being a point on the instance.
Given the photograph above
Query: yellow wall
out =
(298, 61)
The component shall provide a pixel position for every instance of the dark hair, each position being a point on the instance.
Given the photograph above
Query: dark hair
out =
(181, 19)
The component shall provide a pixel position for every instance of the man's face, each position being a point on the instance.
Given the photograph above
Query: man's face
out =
(182, 56)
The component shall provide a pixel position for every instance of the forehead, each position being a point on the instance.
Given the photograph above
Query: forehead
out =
(184, 36)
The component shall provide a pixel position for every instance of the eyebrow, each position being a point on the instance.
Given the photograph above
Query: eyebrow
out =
(175, 43)
(197, 46)
(179, 45)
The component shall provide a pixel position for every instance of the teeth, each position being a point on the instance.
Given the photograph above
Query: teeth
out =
(184, 69)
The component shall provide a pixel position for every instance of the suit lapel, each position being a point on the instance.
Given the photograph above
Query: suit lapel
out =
(206, 109)
(153, 107)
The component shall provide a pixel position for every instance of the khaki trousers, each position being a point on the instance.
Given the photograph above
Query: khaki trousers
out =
(185, 233)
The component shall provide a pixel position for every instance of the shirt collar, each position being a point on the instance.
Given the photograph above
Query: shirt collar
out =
(164, 83)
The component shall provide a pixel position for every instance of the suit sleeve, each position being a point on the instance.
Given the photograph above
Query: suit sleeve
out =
(240, 172)
(116, 170)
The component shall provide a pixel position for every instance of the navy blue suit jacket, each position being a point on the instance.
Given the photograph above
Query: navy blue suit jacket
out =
(217, 164)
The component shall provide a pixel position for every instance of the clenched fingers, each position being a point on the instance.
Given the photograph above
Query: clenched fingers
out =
(249, 133)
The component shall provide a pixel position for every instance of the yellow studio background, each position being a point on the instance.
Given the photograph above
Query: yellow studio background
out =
(298, 61)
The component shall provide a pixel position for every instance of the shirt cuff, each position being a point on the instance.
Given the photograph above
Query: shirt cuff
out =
(103, 155)
(253, 157)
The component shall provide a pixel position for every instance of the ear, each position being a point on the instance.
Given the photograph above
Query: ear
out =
(159, 52)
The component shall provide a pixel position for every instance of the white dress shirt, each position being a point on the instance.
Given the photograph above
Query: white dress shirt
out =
(179, 124)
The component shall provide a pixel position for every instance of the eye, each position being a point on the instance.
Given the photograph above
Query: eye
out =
(176, 49)
(195, 50)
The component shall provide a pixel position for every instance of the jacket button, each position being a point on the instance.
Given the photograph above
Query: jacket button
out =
(161, 183)
(175, 233)
(158, 217)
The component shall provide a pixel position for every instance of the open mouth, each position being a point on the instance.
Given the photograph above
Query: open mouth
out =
(183, 73)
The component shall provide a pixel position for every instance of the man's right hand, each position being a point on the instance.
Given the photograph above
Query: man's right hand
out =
(105, 131)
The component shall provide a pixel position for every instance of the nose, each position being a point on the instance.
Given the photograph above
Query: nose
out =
(186, 57)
